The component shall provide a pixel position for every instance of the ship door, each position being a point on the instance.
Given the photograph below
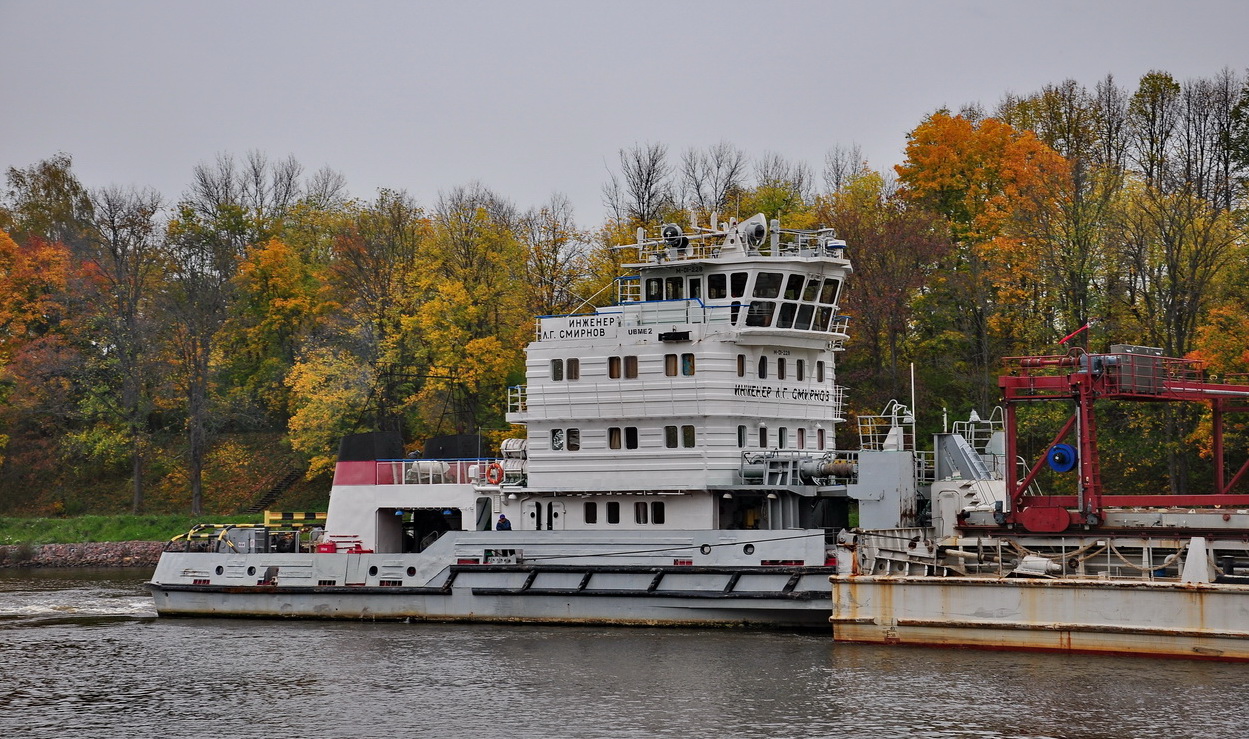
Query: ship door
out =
(554, 515)
(532, 514)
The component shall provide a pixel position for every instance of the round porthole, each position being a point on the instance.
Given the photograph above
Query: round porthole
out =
(373, 571)
(220, 570)
(705, 549)
(251, 571)
(749, 549)
(411, 572)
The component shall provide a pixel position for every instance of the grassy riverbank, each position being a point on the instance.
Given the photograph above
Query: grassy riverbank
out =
(81, 529)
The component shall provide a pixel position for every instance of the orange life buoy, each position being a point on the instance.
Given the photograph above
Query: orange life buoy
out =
(494, 473)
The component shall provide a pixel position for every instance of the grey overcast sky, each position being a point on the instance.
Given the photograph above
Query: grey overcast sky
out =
(535, 98)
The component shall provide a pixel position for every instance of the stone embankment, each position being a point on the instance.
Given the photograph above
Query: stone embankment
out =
(92, 554)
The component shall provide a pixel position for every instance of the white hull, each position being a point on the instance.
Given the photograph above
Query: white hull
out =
(575, 579)
(1188, 620)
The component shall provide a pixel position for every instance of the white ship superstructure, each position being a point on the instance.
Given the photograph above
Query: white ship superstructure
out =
(678, 466)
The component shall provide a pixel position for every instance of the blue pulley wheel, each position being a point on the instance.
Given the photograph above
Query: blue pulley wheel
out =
(1062, 457)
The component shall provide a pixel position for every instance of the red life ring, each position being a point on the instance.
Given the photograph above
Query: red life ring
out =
(494, 473)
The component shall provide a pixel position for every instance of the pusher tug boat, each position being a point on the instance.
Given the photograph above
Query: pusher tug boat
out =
(1007, 566)
(678, 467)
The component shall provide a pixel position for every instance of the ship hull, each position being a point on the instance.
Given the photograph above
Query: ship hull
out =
(470, 577)
(1131, 618)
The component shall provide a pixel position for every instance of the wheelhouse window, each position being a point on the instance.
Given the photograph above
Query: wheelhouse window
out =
(768, 285)
(737, 284)
(793, 287)
(696, 287)
(655, 289)
(717, 287)
(760, 313)
(673, 288)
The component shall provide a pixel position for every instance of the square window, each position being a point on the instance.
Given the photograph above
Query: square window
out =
(717, 287)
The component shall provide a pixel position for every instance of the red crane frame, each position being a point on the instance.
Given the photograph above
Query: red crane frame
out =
(1085, 378)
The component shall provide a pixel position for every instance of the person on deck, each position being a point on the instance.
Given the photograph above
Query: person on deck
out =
(503, 524)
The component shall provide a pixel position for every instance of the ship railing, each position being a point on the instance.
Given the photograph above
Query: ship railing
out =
(518, 399)
(925, 467)
(435, 471)
(892, 430)
(802, 244)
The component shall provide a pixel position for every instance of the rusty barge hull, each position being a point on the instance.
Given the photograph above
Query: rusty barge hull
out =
(1087, 616)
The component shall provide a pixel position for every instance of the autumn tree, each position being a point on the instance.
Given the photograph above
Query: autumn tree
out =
(897, 248)
(978, 176)
(710, 177)
(127, 259)
(641, 193)
(555, 257)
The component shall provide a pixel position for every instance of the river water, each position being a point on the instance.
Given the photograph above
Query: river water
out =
(83, 654)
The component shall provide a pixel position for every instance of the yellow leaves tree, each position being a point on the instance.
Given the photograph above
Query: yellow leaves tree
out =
(983, 177)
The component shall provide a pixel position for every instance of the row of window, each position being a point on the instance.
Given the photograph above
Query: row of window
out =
(643, 512)
(627, 367)
(685, 436)
(805, 303)
(683, 365)
(734, 285)
(618, 437)
(782, 438)
(782, 368)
